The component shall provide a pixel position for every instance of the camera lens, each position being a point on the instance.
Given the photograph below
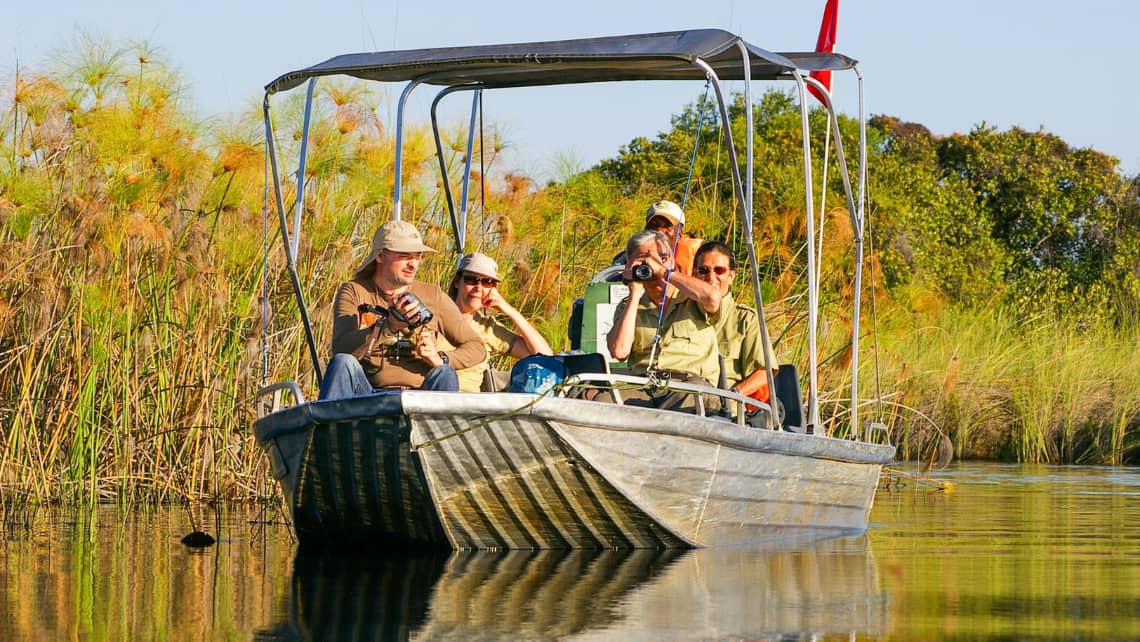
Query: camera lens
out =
(642, 272)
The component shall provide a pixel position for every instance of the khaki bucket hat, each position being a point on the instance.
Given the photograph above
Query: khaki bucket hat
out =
(397, 236)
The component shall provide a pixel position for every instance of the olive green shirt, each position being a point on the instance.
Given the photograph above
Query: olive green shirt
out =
(688, 338)
(496, 337)
(739, 339)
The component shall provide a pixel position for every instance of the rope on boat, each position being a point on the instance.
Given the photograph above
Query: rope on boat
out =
(651, 370)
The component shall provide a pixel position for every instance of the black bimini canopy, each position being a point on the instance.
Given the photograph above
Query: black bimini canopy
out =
(654, 56)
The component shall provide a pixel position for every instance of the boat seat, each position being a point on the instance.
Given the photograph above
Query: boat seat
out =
(576, 363)
(788, 393)
(586, 362)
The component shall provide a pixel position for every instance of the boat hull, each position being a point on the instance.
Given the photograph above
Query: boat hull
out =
(511, 471)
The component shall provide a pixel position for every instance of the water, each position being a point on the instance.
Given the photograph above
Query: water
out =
(1010, 553)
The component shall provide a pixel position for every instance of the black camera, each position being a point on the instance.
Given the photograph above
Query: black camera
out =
(642, 272)
(422, 318)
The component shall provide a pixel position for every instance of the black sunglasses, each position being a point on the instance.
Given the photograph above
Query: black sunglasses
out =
(471, 279)
(704, 269)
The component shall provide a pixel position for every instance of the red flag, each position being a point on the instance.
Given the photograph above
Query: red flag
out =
(826, 44)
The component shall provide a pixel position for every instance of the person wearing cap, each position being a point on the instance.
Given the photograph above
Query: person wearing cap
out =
(668, 218)
(738, 326)
(475, 290)
(396, 348)
(687, 347)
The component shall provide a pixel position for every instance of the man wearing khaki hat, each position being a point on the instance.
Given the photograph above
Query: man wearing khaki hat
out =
(385, 324)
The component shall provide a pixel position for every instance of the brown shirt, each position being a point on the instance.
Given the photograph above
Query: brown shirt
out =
(387, 365)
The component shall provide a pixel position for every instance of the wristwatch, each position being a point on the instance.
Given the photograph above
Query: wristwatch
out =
(446, 359)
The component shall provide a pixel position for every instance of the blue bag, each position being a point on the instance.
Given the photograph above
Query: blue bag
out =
(536, 374)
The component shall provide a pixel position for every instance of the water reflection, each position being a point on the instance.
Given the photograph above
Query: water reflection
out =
(828, 587)
(1014, 552)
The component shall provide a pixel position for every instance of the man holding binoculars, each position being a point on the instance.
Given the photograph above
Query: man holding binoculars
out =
(678, 309)
(385, 324)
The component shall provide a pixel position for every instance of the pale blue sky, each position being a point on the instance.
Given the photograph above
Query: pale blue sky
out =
(1062, 66)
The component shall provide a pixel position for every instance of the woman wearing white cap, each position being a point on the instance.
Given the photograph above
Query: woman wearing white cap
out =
(475, 290)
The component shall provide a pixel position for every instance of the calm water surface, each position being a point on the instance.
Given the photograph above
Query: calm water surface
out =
(1011, 553)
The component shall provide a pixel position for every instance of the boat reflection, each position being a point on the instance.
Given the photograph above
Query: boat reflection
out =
(799, 591)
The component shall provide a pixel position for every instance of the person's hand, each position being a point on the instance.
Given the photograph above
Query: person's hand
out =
(425, 348)
(495, 301)
(658, 268)
(407, 307)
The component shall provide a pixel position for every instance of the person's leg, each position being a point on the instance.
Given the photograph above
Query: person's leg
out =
(344, 377)
(441, 378)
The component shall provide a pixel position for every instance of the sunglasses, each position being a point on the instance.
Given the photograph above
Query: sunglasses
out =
(659, 223)
(704, 270)
(471, 279)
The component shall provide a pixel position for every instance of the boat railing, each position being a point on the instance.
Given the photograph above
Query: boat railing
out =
(613, 384)
(268, 400)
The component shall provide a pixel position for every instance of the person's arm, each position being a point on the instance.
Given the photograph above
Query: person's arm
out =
(469, 349)
(347, 334)
(527, 340)
(753, 357)
(705, 294)
(619, 340)
(755, 385)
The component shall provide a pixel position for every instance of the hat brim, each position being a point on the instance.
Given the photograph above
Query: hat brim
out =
(479, 272)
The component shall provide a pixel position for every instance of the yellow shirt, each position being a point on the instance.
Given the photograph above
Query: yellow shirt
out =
(688, 339)
(496, 337)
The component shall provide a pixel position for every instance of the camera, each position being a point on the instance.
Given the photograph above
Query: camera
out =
(422, 318)
(642, 272)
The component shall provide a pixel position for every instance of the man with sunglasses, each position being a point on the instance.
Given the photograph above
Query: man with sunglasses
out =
(738, 326)
(385, 324)
(686, 308)
(475, 290)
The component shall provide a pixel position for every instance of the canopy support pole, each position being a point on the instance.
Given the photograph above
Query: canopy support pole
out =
(857, 230)
(458, 230)
(290, 257)
(398, 170)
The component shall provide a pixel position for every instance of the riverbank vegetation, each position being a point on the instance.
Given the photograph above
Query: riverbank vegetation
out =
(1002, 284)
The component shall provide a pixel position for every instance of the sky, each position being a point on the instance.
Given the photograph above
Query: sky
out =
(1063, 67)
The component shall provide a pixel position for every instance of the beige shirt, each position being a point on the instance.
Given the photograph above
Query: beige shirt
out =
(390, 364)
(496, 338)
(688, 338)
